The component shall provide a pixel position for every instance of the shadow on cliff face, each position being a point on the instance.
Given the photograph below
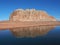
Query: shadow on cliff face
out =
(31, 31)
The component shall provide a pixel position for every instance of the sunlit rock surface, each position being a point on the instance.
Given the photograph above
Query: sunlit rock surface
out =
(30, 15)
(31, 31)
(33, 15)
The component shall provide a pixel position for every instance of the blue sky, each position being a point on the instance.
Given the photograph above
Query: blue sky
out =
(52, 7)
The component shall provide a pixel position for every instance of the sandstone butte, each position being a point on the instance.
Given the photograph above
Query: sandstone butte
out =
(28, 17)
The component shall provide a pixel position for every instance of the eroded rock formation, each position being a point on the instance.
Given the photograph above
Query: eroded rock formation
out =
(30, 15)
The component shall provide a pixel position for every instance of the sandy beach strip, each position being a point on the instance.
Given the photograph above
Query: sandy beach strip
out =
(9, 24)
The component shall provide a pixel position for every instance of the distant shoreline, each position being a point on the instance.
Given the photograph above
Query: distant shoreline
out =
(11, 24)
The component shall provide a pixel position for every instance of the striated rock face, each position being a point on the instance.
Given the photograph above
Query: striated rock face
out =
(30, 15)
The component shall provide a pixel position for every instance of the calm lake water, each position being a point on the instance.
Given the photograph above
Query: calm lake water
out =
(42, 35)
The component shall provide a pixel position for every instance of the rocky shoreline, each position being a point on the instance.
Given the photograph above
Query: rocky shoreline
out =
(28, 18)
(10, 25)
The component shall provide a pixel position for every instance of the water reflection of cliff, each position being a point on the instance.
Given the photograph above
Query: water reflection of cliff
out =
(31, 31)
